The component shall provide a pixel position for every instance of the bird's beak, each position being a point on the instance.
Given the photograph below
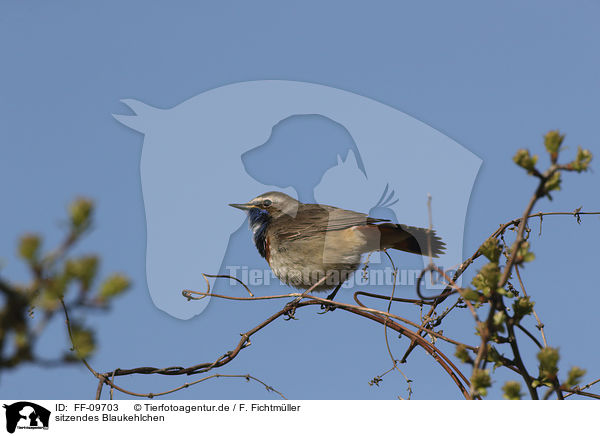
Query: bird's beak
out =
(243, 206)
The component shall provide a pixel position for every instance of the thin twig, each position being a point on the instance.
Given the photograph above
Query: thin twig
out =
(103, 378)
(540, 325)
(579, 391)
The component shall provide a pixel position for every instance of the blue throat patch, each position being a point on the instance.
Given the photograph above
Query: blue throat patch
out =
(258, 220)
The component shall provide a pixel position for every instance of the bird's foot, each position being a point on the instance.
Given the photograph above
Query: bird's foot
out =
(326, 307)
(291, 309)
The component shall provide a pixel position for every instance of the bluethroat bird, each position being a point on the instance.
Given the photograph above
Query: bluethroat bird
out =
(303, 243)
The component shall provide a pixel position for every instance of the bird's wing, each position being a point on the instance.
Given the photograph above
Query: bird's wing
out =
(340, 219)
(314, 219)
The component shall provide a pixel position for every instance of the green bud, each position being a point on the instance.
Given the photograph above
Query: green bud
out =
(486, 279)
(552, 140)
(114, 285)
(548, 358)
(498, 321)
(582, 161)
(575, 375)
(47, 301)
(80, 212)
(553, 183)
(491, 249)
(83, 341)
(512, 390)
(463, 354)
(470, 294)
(29, 245)
(494, 356)
(481, 380)
(525, 160)
(523, 254)
(529, 257)
(522, 307)
(56, 287)
(503, 291)
(83, 269)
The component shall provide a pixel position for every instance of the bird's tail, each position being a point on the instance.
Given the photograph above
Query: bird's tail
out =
(411, 239)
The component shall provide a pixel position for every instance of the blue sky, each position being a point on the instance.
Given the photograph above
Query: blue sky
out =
(492, 77)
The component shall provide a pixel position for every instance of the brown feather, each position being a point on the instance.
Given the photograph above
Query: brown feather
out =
(411, 239)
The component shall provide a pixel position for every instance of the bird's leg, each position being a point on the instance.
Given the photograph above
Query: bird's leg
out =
(330, 307)
(291, 310)
(294, 303)
(334, 293)
(291, 306)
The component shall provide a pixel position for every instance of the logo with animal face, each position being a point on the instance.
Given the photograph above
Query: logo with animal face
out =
(26, 415)
(317, 144)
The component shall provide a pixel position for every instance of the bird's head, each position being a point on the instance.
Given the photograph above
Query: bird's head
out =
(272, 204)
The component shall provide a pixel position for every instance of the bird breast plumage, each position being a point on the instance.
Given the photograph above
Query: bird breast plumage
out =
(302, 262)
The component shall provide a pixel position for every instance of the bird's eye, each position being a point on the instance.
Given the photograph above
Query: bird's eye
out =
(267, 203)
